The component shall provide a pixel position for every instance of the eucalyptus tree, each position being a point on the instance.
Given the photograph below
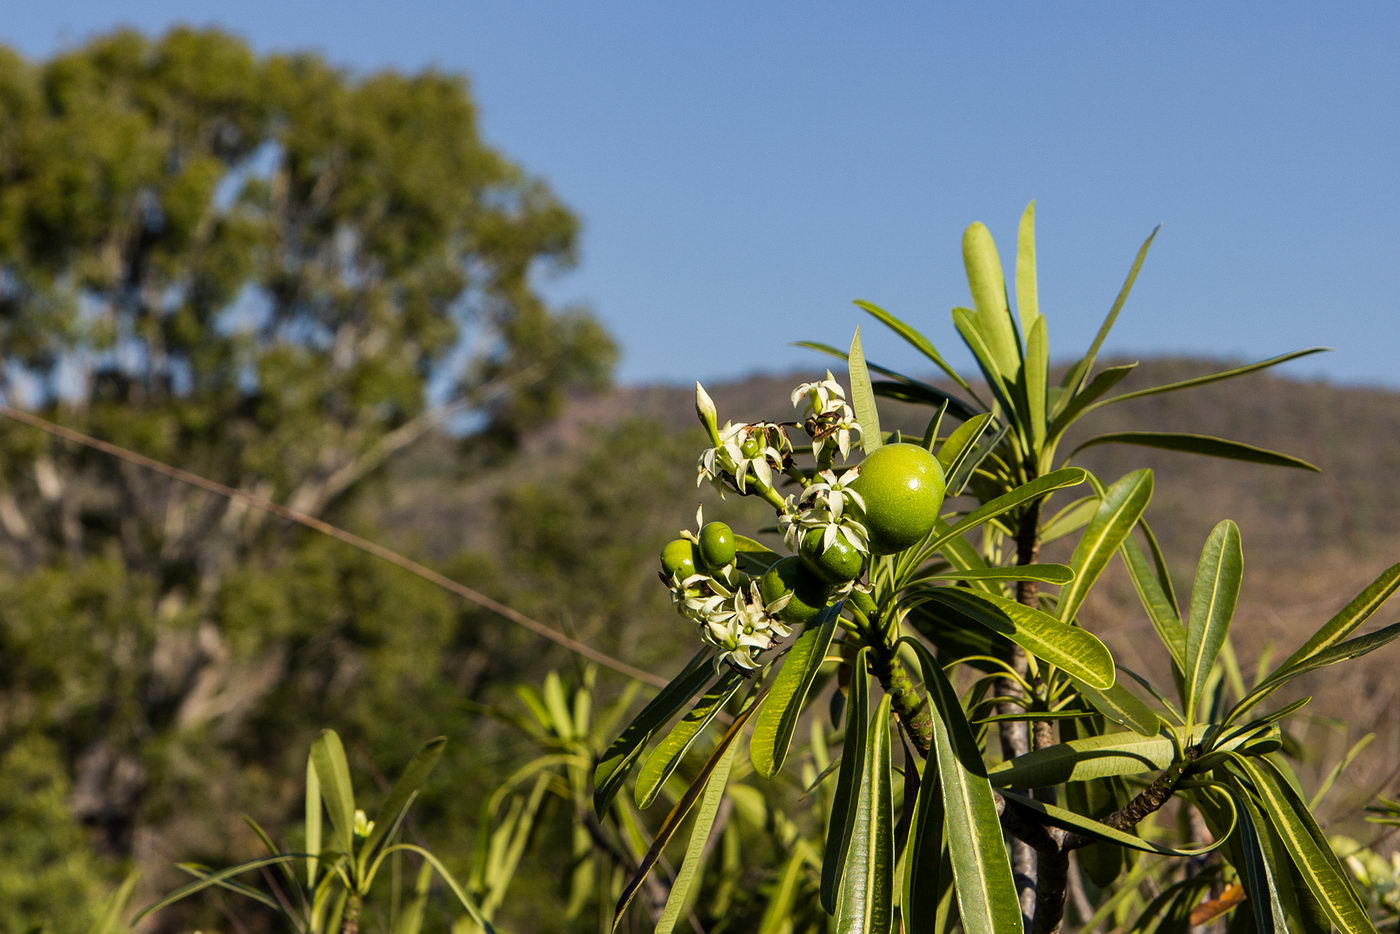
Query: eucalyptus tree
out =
(915, 578)
(267, 270)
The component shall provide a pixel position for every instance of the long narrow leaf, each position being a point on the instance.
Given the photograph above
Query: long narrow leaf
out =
(1068, 820)
(1159, 610)
(777, 721)
(667, 754)
(863, 398)
(1079, 653)
(1121, 706)
(699, 837)
(1189, 443)
(678, 813)
(1027, 289)
(1343, 651)
(333, 773)
(622, 755)
(988, 287)
(1356, 612)
(960, 409)
(1078, 373)
(1079, 403)
(391, 813)
(1034, 376)
(1026, 492)
(1118, 512)
(843, 810)
(866, 901)
(915, 339)
(1212, 377)
(1213, 596)
(213, 879)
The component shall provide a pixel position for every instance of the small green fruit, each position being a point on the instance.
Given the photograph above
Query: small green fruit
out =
(902, 485)
(716, 545)
(835, 565)
(809, 593)
(678, 559)
(751, 445)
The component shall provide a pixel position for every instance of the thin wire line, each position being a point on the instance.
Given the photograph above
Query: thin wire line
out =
(349, 538)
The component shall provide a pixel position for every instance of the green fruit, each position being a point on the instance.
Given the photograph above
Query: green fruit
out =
(902, 485)
(864, 602)
(716, 545)
(750, 446)
(835, 565)
(678, 558)
(787, 575)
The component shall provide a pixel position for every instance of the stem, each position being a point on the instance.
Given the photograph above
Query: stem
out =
(1015, 734)
(351, 923)
(907, 701)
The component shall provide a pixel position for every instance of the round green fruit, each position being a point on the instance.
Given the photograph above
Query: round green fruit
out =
(788, 575)
(716, 545)
(751, 445)
(835, 565)
(678, 558)
(902, 485)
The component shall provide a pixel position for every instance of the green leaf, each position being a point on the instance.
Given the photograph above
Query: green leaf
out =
(1078, 373)
(930, 439)
(680, 811)
(1026, 492)
(333, 773)
(1159, 609)
(313, 819)
(928, 868)
(866, 901)
(958, 407)
(1068, 820)
(1343, 651)
(1212, 377)
(1198, 444)
(863, 398)
(841, 824)
(390, 815)
(1121, 706)
(1070, 519)
(1263, 883)
(915, 339)
(1360, 609)
(950, 710)
(213, 879)
(773, 730)
(667, 754)
(695, 848)
(986, 895)
(960, 443)
(109, 913)
(1045, 573)
(1119, 510)
(1034, 377)
(1076, 405)
(1213, 596)
(1077, 652)
(622, 755)
(449, 880)
(1305, 844)
(988, 287)
(777, 913)
(1027, 291)
(968, 326)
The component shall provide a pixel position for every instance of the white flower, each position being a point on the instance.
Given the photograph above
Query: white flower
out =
(829, 420)
(831, 505)
(742, 626)
(745, 453)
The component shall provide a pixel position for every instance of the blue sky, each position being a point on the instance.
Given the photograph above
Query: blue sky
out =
(745, 170)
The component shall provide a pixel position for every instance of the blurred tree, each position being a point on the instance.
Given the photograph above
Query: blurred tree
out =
(268, 271)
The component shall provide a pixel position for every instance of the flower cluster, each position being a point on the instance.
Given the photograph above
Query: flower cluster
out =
(744, 455)
(829, 419)
(738, 623)
(831, 505)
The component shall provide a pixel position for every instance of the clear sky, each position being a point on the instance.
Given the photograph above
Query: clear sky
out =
(745, 169)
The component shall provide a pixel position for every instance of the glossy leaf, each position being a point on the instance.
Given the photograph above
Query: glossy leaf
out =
(968, 327)
(1118, 512)
(1188, 443)
(841, 823)
(863, 398)
(987, 901)
(1356, 612)
(1035, 489)
(390, 815)
(1069, 519)
(915, 339)
(1306, 845)
(622, 755)
(667, 754)
(988, 286)
(1342, 651)
(1045, 573)
(865, 904)
(1212, 377)
(777, 721)
(778, 910)
(1077, 652)
(699, 837)
(928, 870)
(680, 811)
(1078, 373)
(1213, 596)
(1121, 706)
(949, 708)
(1035, 374)
(1103, 381)
(1068, 820)
(453, 886)
(214, 879)
(333, 773)
(961, 442)
(1027, 289)
(1159, 609)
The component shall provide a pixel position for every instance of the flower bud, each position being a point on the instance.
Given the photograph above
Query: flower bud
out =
(705, 409)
